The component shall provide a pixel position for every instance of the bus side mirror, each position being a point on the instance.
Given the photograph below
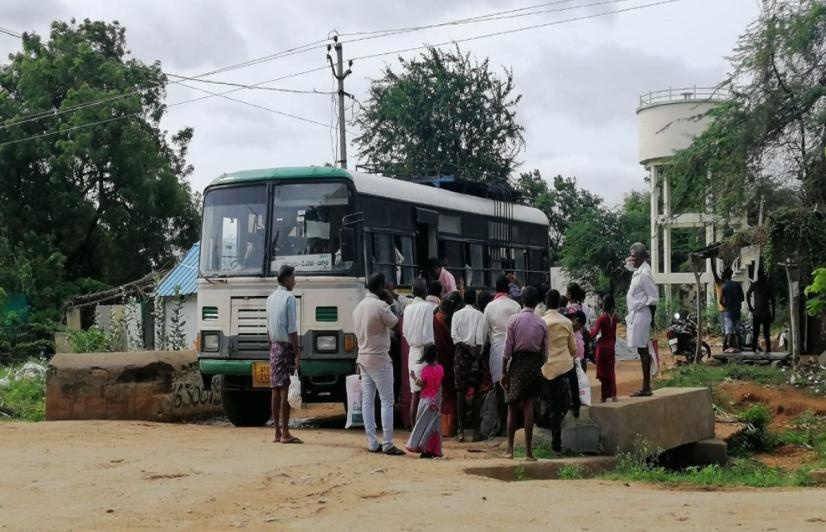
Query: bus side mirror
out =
(348, 244)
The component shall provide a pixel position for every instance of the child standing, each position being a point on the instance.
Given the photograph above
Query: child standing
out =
(426, 437)
(578, 319)
(606, 326)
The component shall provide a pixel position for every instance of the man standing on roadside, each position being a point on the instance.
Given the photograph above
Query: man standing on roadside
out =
(560, 389)
(497, 313)
(760, 298)
(285, 355)
(372, 322)
(732, 300)
(642, 306)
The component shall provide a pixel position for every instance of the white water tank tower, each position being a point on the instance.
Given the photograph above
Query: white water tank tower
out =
(669, 120)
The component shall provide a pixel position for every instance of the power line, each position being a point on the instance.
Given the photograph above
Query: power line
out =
(243, 86)
(452, 22)
(490, 17)
(257, 106)
(271, 57)
(11, 33)
(67, 130)
(370, 56)
(515, 30)
(287, 76)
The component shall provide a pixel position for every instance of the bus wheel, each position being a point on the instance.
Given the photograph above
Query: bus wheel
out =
(245, 408)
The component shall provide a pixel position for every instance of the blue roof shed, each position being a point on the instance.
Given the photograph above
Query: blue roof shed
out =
(184, 275)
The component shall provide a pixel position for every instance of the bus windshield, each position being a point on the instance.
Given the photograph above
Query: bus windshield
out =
(306, 227)
(232, 237)
(304, 231)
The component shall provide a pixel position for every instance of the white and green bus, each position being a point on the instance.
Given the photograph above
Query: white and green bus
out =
(336, 227)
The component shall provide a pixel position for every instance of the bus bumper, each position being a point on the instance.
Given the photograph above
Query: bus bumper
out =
(313, 371)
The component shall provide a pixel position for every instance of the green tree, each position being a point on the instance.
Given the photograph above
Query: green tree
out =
(768, 141)
(109, 201)
(562, 201)
(597, 241)
(443, 114)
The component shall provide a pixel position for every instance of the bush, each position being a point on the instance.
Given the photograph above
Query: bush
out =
(92, 340)
(24, 397)
(756, 436)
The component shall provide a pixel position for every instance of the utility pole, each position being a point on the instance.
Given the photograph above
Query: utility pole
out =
(339, 73)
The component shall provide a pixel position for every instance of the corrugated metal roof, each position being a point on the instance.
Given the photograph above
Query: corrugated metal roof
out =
(184, 275)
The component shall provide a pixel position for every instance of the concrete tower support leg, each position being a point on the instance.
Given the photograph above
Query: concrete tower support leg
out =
(655, 240)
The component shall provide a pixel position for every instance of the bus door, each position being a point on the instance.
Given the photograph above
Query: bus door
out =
(427, 223)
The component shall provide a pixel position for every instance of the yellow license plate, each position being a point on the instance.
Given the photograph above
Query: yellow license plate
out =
(260, 374)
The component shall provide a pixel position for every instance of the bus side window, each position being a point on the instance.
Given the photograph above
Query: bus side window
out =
(403, 251)
(383, 259)
(475, 275)
(535, 274)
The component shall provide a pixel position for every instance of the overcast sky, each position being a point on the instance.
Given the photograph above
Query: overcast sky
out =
(580, 80)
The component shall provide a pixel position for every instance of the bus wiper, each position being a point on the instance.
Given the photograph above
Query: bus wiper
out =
(212, 279)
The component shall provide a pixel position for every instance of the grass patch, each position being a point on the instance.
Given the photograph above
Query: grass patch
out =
(742, 472)
(572, 472)
(23, 396)
(539, 451)
(701, 375)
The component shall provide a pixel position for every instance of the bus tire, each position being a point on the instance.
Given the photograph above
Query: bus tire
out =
(246, 408)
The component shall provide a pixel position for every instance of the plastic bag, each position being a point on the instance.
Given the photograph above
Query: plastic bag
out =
(584, 386)
(490, 424)
(354, 393)
(294, 392)
(655, 358)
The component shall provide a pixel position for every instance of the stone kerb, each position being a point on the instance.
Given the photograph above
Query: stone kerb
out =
(146, 385)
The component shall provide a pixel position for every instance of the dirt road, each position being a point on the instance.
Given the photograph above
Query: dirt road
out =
(115, 475)
(111, 475)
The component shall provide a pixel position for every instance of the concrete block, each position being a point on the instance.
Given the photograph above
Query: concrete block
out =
(147, 385)
(817, 476)
(708, 452)
(541, 438)
(670, 418)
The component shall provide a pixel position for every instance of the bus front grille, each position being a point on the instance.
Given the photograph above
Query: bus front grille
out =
(248, 330)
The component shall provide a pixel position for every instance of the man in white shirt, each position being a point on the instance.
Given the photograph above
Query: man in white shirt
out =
(469, 332)
(372, 322)
(417, 328)
(497, 314)
(642, 305)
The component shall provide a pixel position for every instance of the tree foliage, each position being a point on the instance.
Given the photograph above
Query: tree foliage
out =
(444, 113)
(107, 202)
(597, 241)
(768, 141)
(562, 201)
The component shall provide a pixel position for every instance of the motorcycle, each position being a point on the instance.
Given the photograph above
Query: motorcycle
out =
(682, 339)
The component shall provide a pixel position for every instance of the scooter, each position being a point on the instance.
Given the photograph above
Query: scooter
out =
(682, 339)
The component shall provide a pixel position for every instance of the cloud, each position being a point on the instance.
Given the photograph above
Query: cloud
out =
(603, 83)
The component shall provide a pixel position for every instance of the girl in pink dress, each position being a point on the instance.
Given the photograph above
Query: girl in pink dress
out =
(426, 437)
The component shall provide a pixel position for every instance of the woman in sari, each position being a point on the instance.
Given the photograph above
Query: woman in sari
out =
(426, 437)
(606, 327)
(446, 351)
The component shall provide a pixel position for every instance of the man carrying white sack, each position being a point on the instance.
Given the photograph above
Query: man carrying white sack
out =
(642, 307)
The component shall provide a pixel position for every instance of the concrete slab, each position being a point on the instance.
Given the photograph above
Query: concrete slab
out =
(146, 385)
(752, 356)
(670, 418)
(513, 470)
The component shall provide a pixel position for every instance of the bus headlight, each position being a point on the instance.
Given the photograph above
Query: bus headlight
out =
(327, 343)
(211, 341)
